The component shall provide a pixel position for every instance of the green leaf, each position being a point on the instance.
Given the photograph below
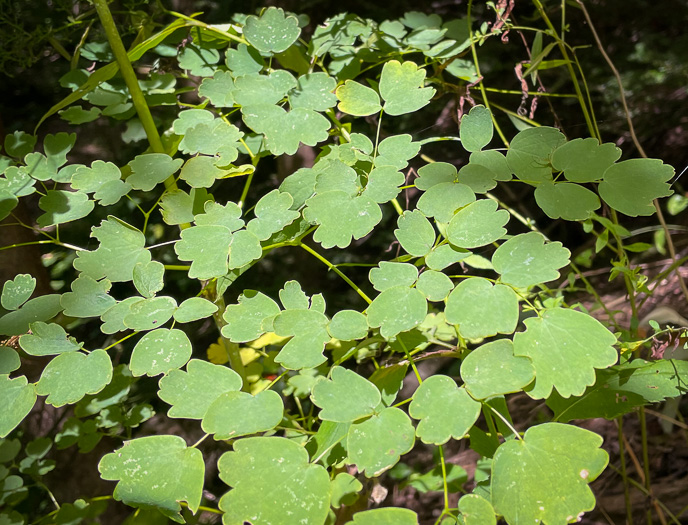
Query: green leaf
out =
(570, 202)
(565, 347)
(584, 160)
(530, 153)
(17, 397)
(397, 310)
(215, 214)
(7, 203)
(264, 90)
(390, 274)
(61, 206)
(19, 144)
(160, 351)
(9, 360)
(401, 87)
(121, 248)
(72, 375)
(299, 491)
(357, 99)
(192, 392)
(308, 332)
(345, 396)
(244, 60)
(445, 255)
(376, 444)
(283, 130)
(150, 313)
(314, 91)
(189, 118)
(493, 370)
(272, 214)
(435, 173)
(150, 169)
(42, 308)
(435, 286)
(621, 388)
(272, 32)
(177, 207)
(199, 61)
(348, 325)
(236, 414)
(630, 186)
(396, 151)
(544, 477)
(149, 278)
(445, 411)
(193, 309)
(345, 489)
(156, 471)
(476, 128)
(113, 318)
(88, 298)
(477, 224)
(201, 172)
(479, 178)
(525, 260)
(17, 182)
(386, 516)
(245, 320)
(442, 200)
(15, 292)
(48, 339)
(476, 510)
(415, 233)
(244, 248)
(207, 247)
(341, 217)
(494, 161)
(383, 184)
(482, 310)
(103, 179)
(219, 89)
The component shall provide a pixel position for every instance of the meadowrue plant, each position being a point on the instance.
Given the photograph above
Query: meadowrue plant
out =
(288, 388)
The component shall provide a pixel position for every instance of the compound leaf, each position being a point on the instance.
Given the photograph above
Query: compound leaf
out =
(543, 478)
(442, 200)
(314, 91)
(390, 274)
(357, 99)
(245, 320)
(299, 491)
(482, 310)
(476, 128)
(244, 60)
(113, 318)
(415, 233)
(192, 392)
(273, 213)
(15, 292)
(396, 151)
(102, 178)
(584, 160)
(397, 309)
(477, 224)
(42, 308)
(631, 186)
(72, 375)
(216, 214)
(121, 248)
(383, 184)
(272, 32)
(219, 89)
(492, 370)
(341, 217)
(18, 398)
(308, 332)
(235, 414)
(150, 169)
(47, 339)
(530, 152)
(376, 444)
(345, 396)
(569, 201)
(62, 206)
(525, 260)
(157, 471)
(445, 411)
(493, 160)
(401, 87)
(160, 351)
(565, 346)
(207, 247)
(88, 298)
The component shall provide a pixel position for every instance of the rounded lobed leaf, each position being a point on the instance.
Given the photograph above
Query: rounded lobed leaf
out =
(236, 414)
(160, 351)
(476, 128)
(345, 397)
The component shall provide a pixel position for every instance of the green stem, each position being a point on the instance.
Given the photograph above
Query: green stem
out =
(624, 473)
(233, 353)
(336, 270)
(646, 458)
(444, 478)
